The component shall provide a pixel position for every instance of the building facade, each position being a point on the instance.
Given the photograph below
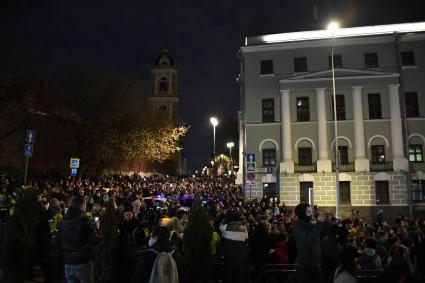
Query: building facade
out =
(287, 117)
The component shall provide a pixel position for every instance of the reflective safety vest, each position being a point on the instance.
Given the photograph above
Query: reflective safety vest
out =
(172, 232)
(12, 207)
(54, 222)
(3, 202)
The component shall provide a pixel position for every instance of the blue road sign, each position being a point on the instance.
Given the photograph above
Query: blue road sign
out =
(28, 150)
(250, 167)
(74, 163)
(250, 157)
(30, 136)
(74, 172)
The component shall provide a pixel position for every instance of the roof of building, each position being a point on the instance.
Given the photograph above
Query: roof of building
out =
(165, 54)
(338, 33)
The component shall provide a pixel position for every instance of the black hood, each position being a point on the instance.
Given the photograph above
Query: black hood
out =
(300, 211)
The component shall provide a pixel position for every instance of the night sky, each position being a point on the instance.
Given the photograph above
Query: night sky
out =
(202, 36)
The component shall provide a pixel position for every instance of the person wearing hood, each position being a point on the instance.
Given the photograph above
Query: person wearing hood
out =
(77, 238)
(370, 260)
(348, 268)
(159, 243)
(307, 238)
(330, 250)
(235, 248)
(53, 262)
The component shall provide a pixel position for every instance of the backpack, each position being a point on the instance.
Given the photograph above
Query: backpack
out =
(164, 269)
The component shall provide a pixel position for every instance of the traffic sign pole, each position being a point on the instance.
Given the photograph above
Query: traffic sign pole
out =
(26, 170)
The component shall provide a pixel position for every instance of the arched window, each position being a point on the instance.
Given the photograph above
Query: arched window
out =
(163, 84)
(305, 151)
(268, 148)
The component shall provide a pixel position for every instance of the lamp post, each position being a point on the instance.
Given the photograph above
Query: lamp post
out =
(332, 28)
(214, 123)
(230, 145)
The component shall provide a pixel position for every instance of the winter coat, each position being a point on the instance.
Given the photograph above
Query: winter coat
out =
(77, 237)
(308, 244)
(370, 260)
(280, 254)
(330, 250)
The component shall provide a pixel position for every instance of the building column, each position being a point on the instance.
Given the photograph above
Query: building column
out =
(239, 175)
(287, 164)
(399, 160)
(323, 164)
(361, 163)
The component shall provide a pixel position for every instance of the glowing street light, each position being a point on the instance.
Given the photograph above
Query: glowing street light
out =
(214, 123)
(332, 28)
(230, 145)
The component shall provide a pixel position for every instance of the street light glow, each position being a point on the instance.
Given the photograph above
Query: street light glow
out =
(214, 121)
(333, 26)
(230, 144)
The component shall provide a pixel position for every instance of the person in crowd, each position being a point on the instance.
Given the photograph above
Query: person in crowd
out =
(261, 244)
(348, 267)
(380, 218)
(171, 262)
(400, 268)
(370, 260)
(77, 237)
(234, 248)
(308, 244)
(280, 249)
(344, 233)
(381, 245)
(330, 252)
(53, 260)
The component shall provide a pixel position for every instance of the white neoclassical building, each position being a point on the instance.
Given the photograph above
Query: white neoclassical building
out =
(287, 117)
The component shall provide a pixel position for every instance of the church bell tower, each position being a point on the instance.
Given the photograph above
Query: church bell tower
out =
(163, 96)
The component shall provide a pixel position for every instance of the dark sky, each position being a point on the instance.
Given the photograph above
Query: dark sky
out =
(203, 37)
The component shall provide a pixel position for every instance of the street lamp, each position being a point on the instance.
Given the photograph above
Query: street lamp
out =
(230, 145)
(214, 123)
(332, 28)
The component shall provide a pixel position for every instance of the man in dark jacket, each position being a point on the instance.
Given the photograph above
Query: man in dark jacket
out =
(234, 245)
(161, 244)
(77, 237)
(330, 250)
(308, 244)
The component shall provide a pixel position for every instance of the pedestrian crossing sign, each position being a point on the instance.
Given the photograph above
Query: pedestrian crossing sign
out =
(250, 167)
(74, 163)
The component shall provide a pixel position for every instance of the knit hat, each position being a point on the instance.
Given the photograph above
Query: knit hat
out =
(54, 203)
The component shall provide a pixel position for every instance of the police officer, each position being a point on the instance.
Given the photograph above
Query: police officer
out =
(54, 266)
(4, 205)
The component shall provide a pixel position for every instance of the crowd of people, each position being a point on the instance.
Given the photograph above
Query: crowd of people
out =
(74, 228)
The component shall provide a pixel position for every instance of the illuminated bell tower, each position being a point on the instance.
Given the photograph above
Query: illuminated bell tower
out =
(164, 97)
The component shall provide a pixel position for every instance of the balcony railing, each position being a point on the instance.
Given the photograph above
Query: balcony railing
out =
(386, 166)
(310, 168)
(349, 167)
